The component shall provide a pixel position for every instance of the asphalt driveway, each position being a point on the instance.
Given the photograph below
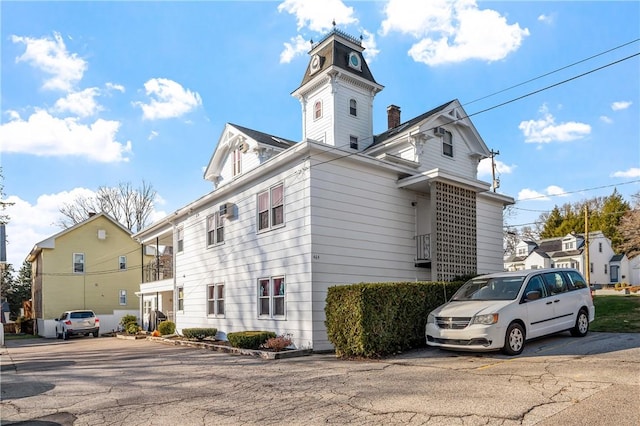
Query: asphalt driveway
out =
(558, 380)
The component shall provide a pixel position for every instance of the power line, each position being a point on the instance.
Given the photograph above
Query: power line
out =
(552, 72)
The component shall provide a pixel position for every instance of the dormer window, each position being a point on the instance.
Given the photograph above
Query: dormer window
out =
(353, 107)
(317, 110)
(447, 144)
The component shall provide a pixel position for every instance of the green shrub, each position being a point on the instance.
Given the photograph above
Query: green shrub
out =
(132, 328)
(249, 339)
(128, 319)
(167, 327)
(199, 333)
(375, 319)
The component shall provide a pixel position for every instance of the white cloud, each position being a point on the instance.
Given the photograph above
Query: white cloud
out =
(556, 191)
(484, 168)
(369, 44)
(30, 224)
(551, 191)
(153, 135)
(547, 19)
(450, 31)
(606, 119)
(44, 135)
(546, 130)
(633, 172)
(52, 57)
(617, 106)
(530, 194)
(114, 86)
(318, 15)
(297, 46)
(168, 99)
(81, 103)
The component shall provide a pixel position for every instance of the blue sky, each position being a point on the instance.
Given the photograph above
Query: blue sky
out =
(98, 93)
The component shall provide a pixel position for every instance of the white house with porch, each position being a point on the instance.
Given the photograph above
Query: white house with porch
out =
(288, 219)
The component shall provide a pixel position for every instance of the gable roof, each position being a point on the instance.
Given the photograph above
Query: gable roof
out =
(50, 241)
(377, 139)
(229, 140)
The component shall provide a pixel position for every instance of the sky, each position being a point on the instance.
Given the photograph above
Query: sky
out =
(108, 92)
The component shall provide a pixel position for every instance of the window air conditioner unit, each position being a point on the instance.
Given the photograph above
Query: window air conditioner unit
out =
(226, 210)
(439, 131)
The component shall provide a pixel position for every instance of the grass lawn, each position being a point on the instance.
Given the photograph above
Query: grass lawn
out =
(617, 314)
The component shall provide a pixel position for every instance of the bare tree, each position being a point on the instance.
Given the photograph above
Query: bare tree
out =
(629, 228)
(129, 206)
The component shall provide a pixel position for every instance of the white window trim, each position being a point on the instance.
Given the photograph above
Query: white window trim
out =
(122, 293)
(122, 262)
(318, 102)
(180, 240)
(73, 262)
(444, 139)
(355, 108)
(215, 300)
(179, 290)
(270, 209)
(272, 298)
(217, 220)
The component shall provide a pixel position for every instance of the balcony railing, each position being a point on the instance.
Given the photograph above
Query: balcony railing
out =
(158, 270)
(423, 248)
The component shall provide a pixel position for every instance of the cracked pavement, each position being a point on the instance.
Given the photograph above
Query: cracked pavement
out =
(558, 380)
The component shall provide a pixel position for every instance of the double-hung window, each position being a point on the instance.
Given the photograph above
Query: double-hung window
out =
(447, 144)
(353, 142)
(180, 298)
(78, 263)
(353, 107)
(271, 297)
(271, 207)
(317, 110)
(180, 238)
(215, 299)
(122, 263)
(122, 297)
(215, 229)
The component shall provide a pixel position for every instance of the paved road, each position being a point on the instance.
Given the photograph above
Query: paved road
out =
(106, 381)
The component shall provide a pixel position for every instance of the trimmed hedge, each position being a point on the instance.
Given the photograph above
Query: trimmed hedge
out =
(199, 333)
(376, 319)
(167, 327)
(249, 339)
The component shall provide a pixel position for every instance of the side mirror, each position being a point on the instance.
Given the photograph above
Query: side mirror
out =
(532, 295)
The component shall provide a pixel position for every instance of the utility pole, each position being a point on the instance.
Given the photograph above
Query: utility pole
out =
(495, 181)
(587, 266)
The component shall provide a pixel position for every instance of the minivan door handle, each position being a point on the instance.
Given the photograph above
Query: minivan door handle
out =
(556, 301)
(548, 303)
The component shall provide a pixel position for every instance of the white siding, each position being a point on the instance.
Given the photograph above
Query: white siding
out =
(348, 125)
(489, 235)
(249, 161)
(320, 130)
(461, 163)
(243, 258)
(362, 231)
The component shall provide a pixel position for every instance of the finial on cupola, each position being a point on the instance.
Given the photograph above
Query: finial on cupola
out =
(333, 23)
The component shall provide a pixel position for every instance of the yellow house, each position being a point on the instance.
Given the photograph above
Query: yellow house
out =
(93, 265)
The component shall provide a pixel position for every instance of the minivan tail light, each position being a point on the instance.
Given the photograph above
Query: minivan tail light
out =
(67, 322)
(97, 320)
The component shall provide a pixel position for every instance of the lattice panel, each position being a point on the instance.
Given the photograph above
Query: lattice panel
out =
(456, 240)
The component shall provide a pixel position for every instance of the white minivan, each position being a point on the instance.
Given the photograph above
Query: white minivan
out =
(503, 310)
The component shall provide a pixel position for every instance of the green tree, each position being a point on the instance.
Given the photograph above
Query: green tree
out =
(613, 210)
(16, 289)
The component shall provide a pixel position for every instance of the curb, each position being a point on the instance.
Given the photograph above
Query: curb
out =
(292, 353)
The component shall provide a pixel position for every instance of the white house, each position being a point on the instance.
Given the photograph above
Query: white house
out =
(287, 219)
(605, 266)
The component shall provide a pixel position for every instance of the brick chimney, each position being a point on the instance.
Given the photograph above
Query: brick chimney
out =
(393, 116)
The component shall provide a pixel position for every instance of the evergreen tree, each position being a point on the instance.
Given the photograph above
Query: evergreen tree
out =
(16, 290)
(613, 209)
(551, 223)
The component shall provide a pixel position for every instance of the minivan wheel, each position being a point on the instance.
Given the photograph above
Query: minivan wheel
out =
(95, 334)
(65, 335)
(582, 324)
(514, 339)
